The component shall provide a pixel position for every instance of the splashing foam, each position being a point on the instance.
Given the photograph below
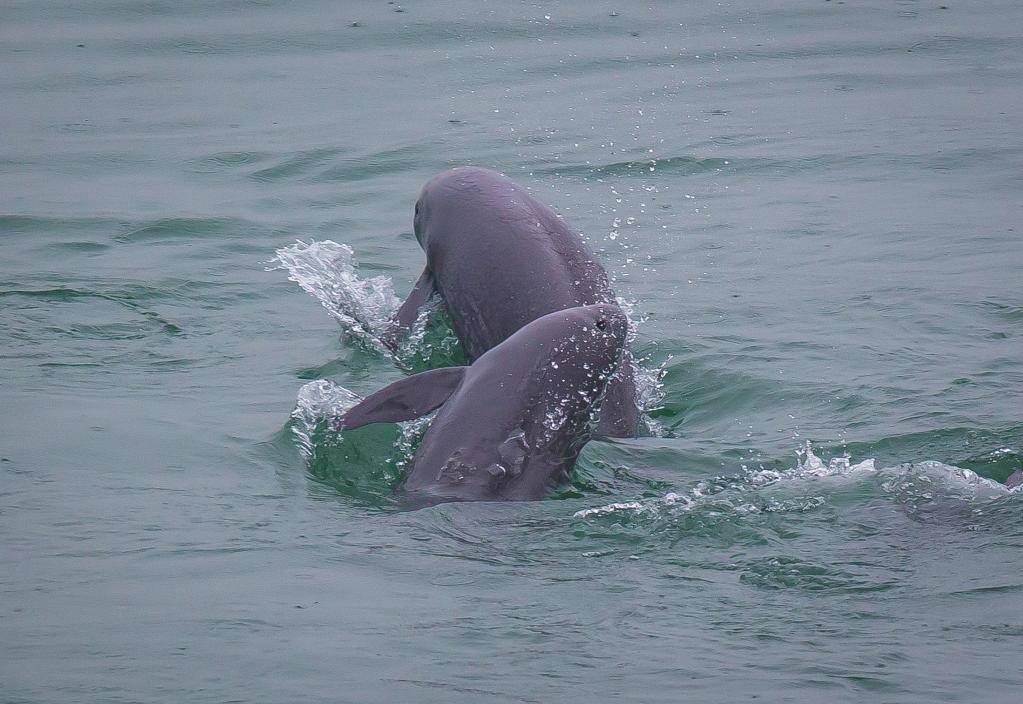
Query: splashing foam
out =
(907, 483)
(326, 270)
(650, 392)
(417, 333)
(318, 401)
(412, 432)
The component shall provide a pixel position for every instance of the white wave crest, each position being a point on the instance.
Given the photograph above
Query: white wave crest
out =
(910, 483)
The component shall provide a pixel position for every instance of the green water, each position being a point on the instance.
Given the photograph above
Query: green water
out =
(815, 207)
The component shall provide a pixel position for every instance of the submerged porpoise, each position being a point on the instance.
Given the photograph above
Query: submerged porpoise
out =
(1015, 479)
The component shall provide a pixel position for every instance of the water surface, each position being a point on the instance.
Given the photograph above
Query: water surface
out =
(814, 207)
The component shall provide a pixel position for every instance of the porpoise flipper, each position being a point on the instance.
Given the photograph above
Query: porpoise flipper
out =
(409, 398)
(421, 292)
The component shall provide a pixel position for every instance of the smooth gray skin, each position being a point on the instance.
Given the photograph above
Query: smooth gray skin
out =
(1015, 479)
(511, 426)
(499, 259)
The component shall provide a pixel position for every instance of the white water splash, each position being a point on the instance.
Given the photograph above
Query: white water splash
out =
(910, 483)
(318, 401)
(420, 346)
(650, 392)
(810, 466)
(417, 332)
(326, 270)
(412, 432)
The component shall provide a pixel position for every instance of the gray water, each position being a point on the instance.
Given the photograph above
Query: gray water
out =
(813, 206)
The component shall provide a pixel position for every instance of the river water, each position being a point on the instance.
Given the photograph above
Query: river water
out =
(812, 207)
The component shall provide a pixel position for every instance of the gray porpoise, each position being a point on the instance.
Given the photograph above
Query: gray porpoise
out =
(1015, 479)
(499, 258)
(511, 426)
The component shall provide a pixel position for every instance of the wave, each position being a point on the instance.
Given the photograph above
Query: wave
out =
(810, 485)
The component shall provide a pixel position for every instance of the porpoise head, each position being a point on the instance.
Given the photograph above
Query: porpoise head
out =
(447, 195)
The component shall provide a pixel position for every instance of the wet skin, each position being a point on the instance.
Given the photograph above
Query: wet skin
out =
(500, 259)
(511, 425)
